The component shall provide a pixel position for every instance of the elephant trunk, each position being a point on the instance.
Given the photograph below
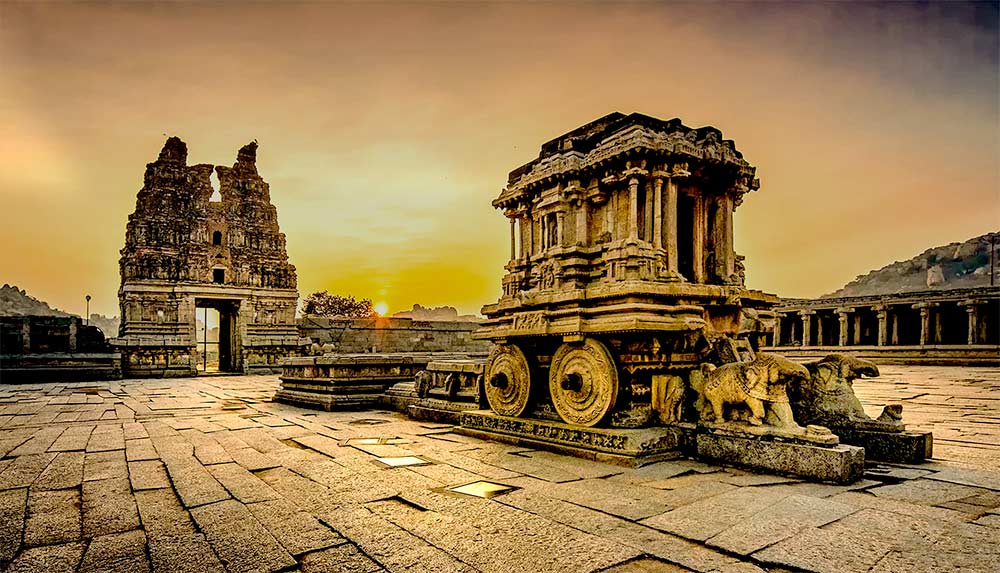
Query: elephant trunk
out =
(866, 368)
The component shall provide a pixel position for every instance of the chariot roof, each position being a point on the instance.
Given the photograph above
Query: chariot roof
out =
(587, 148)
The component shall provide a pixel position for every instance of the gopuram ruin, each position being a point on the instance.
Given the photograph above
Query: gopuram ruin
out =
(186, 254)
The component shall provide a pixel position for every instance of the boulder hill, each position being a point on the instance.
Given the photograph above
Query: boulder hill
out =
(956, 265)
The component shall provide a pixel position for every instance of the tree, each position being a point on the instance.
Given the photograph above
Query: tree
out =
(323, 303)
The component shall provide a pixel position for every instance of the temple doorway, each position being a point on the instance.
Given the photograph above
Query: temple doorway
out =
(217, 347)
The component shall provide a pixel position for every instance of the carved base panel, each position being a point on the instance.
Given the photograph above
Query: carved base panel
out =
(163, 362)
(437, 411)
(628, 447)
(840, 464)
(893, 447)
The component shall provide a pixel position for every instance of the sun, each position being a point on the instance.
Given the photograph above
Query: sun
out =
(381, 308)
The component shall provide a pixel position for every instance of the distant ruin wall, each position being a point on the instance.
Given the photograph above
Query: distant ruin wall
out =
(392, 335)
(54, 349)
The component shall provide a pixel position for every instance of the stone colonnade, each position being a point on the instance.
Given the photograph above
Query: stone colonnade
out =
(943, 321)
(651, 218)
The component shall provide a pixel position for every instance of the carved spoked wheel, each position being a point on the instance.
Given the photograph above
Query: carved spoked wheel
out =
(583, 381)
(507, 380)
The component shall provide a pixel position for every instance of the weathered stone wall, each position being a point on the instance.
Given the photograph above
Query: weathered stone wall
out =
(54, 348)
(392, 335)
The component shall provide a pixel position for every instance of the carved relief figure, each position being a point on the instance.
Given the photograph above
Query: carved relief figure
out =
(668, 397)
(759, 385)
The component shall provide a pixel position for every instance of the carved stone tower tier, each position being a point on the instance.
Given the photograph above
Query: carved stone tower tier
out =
(185, 254)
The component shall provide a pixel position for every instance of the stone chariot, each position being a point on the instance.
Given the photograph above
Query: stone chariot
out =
(622, 276)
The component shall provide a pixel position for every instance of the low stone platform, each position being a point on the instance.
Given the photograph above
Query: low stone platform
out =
(895, 447)
(335, 381)
(627, 447)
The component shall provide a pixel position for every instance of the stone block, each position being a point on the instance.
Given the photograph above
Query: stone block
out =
(839, 464)
(892, 447)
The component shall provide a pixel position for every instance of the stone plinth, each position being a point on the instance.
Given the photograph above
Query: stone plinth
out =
(835, 463)
(893, 447)
(337, 381)
(629, 447)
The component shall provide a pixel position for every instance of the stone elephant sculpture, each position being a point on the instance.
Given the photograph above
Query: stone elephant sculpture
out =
(759, 384)
(827, 398)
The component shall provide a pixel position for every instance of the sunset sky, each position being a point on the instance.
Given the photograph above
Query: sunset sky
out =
(386, 129)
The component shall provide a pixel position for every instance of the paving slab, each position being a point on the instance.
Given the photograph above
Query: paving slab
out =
(50, 559)
(53, 517)
(13, 504)
(74, 438)
(241, 542)
(194, 484)
(708, 517)
(241, 484)
(63, 472)
(39, 442)
(777, 522)
(108, 507)
(341, 559)
(24, 470)
(140, 449)
(104, 465)
(297, 531)
(855, 543)
(149, 474)
(926, 491)
(106, 437)
(118, 552)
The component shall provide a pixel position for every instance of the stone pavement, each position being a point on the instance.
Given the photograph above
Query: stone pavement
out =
(208, 475)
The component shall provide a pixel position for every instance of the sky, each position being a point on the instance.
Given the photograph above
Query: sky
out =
(386, 129)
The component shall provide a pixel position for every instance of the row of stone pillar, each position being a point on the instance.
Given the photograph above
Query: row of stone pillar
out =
(660, 210)
(26, 336)
(930, 324)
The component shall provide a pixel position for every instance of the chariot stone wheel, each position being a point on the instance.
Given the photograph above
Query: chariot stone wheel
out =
(507, 380)
(583, 381)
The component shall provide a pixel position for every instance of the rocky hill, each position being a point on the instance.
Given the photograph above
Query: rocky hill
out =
(446, 313)
(16, 302)
(957, 265)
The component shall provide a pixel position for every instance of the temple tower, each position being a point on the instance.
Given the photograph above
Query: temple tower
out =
(187, 256)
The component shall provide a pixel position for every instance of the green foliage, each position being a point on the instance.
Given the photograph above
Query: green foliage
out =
(980, 260)
(323, 303)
